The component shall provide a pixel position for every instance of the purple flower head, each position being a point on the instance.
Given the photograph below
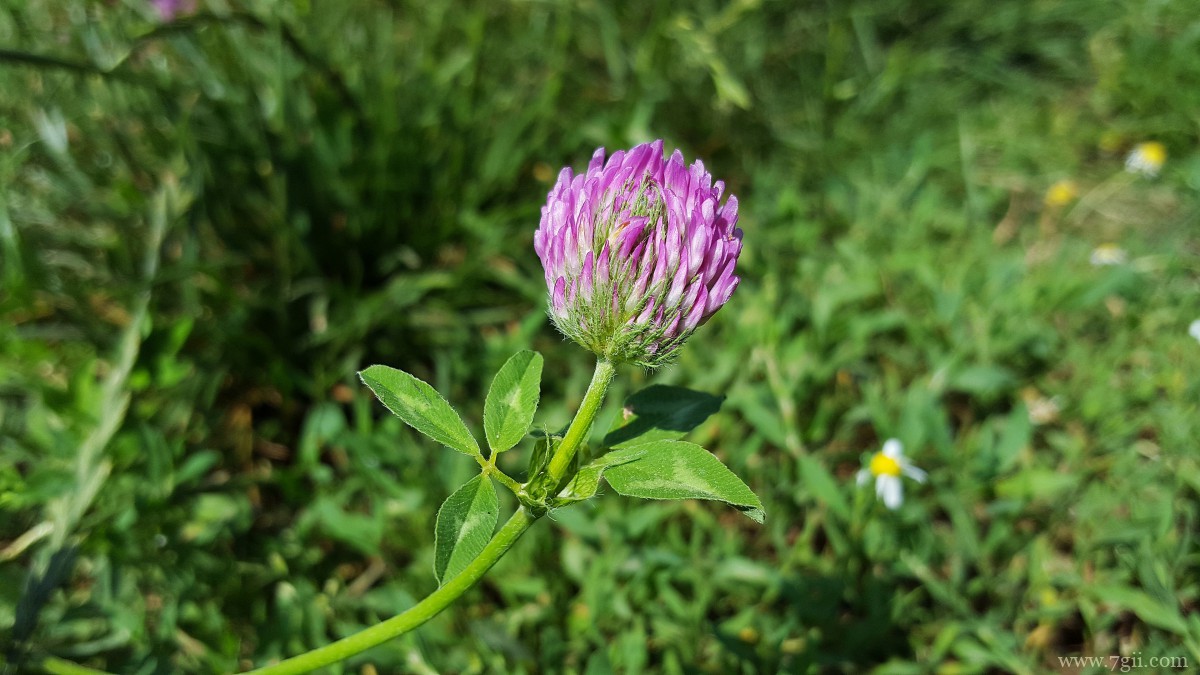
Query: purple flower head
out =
(639, 251)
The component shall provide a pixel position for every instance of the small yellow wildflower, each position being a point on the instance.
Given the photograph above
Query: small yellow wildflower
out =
(1062, 193)
(887, 466)
(1108, 254)
(1146, 159)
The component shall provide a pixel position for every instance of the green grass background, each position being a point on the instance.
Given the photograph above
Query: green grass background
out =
(208, 226)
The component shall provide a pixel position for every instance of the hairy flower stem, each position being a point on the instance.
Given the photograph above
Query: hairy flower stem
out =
(560, 462)
(443, 597)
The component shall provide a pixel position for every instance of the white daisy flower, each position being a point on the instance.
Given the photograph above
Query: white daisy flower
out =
(1108, 254)
(1146, 159)
(1194, 329)
(887, 466)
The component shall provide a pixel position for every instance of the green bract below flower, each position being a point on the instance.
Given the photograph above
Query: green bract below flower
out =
(639, 252)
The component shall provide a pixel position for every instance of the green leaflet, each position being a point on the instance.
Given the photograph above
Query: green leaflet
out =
(681, 470)
(512, 400)
(420, 406)
(660, 412)
(587, 481)
(464, 524)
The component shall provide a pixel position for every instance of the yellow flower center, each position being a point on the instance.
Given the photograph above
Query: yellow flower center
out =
(1154, 153)
(1061, 193)
(882, 465)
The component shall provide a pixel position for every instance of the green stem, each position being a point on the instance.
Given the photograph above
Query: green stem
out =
(418, 614)
(577, 433)
(490, 469)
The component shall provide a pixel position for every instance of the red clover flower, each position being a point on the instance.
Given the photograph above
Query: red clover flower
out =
(638, 253)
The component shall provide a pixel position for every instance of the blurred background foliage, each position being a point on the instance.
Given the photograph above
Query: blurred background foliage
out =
(208, 224)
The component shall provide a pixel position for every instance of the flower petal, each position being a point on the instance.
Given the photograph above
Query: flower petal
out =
(913, 472)
(892, 491)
